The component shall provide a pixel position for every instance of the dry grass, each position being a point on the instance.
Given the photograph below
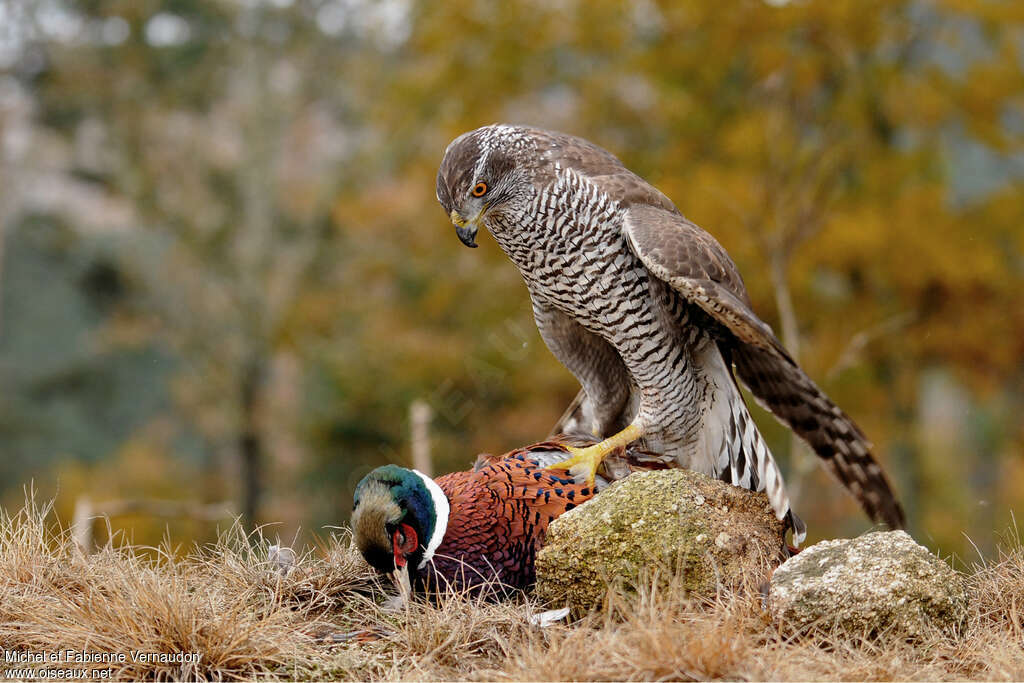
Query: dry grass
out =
(226, 602)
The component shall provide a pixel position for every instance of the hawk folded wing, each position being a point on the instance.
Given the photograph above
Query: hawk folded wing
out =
(695, 265)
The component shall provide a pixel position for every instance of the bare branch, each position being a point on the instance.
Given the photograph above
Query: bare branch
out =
(857, 343)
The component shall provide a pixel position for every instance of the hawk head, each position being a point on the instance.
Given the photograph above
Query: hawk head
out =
(484, 173)
(498, 169)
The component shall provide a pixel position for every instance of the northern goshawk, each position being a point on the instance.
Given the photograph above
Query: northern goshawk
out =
(649, 313)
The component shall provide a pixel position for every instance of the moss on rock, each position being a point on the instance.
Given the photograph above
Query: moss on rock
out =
(715, 534)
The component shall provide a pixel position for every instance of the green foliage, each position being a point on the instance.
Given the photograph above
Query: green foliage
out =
(67, 395)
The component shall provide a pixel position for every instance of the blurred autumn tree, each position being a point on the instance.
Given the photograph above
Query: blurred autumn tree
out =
(861, 162)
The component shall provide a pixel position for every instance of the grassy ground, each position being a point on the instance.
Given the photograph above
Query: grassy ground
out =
(325, 621)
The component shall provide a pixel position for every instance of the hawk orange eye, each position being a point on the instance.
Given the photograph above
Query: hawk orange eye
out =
(480, 189)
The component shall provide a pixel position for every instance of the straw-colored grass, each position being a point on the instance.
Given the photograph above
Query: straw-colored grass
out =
(326, 620)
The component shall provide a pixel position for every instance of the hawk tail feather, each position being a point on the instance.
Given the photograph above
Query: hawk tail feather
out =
(781, 387)
(745, 460)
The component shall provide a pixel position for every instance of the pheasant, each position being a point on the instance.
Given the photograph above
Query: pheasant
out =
(474, 529)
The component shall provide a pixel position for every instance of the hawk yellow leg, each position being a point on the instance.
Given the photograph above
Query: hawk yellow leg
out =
(585, 461)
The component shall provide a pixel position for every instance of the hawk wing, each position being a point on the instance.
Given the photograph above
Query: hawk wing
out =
(695, 265)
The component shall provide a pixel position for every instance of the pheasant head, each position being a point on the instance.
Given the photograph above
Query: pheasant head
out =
(399, 519)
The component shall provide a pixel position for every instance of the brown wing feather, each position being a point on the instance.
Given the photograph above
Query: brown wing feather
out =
(577, 417)
(696, 266)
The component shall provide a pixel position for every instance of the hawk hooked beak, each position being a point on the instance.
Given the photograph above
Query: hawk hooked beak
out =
(466, 230)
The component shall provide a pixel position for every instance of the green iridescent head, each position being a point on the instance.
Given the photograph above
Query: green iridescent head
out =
(399, 518)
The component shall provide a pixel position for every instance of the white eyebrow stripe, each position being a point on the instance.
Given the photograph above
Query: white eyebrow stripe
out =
(478, 170)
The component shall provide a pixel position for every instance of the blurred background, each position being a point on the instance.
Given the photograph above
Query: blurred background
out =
(226, 285)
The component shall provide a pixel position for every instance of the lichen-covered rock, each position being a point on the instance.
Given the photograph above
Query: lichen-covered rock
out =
(717, 534)
(882, 582)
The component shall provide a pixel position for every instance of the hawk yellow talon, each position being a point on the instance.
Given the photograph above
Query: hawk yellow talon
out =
(585, 461)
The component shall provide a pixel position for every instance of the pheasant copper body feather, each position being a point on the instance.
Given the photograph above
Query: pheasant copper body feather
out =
(494, 523)
(500, 512)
